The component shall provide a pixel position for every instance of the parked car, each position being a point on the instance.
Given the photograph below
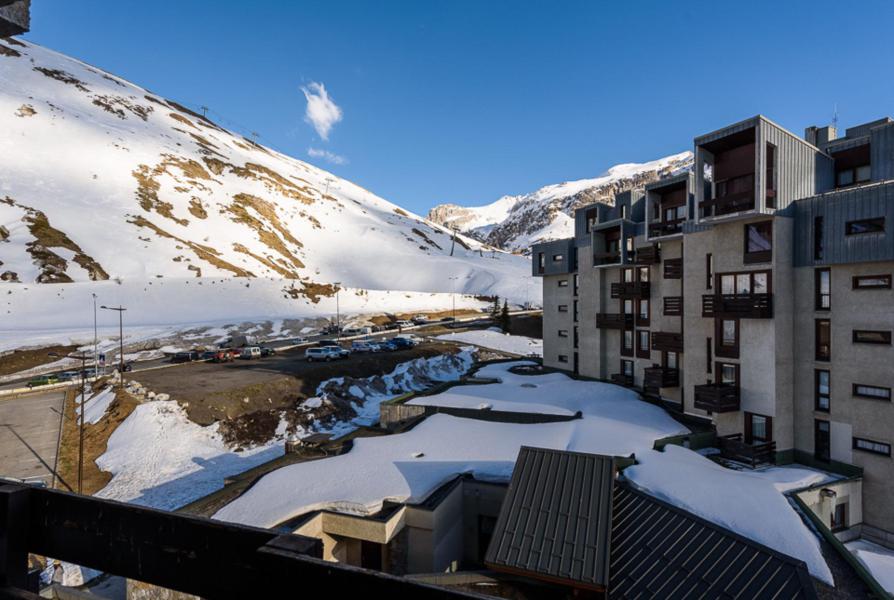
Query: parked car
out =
(389, 346)
(390, 325)
(363, 346)
(126, 367)
(358, 331)
(447, 319)
(324, 343)
(404, 323)
(250, 352)
(400, 343)
(409, 337)
(179, 357)
(321, 353)
(268, 351)
(68, 375)
(299, 341)
(208, 354)
(224, 355)
(43, 380)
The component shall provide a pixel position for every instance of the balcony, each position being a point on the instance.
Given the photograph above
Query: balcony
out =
(734, 448)
(614, 321)
(738, 306)
(673, 306)
(717, 397)
(622, 379)
(606, 258)
(647, 255)
(667, 342)
(662, 228)
(661, 377)
(630, 289)
(735, 194)
(673, 268)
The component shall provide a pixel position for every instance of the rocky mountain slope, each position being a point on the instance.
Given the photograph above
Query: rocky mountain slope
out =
(104, 180)
(513, 223)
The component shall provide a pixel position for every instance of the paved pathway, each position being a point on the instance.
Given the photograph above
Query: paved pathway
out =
(29, 432)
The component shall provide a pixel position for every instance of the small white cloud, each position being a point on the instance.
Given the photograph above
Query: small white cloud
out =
(321, 113)
(328, 156)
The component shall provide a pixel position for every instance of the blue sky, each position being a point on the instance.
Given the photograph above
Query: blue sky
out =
(464, 101)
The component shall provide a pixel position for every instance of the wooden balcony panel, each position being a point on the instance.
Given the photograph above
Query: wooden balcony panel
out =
(647, 255)
(614, 321)
(673, 268)
(717, 397)
(663, 228)
(667, 342)
(734, 448)
(742, 306)
(661, 377)
(673, 306)
(630, 289)
(731, 203)
(621, 379)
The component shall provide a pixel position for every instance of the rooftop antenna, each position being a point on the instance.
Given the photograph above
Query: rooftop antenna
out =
(835, 116)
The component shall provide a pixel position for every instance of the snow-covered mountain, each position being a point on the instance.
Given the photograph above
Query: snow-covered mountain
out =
(513, 223)
(104, 180)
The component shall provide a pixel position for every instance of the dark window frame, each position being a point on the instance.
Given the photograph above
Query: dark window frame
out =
(726, 350)
(855, 446)
(818, 296)
(558, 257)
(710, 354)
(827, 355)
(771, 174)
(826, 456)
(819, 248)
(643, 352)
(624, 364)
(856, 394)
(625, 351)
(563, 308)
(563, 283)
(818, 395)
(709, 270)
(563, 358)
(857, 282)
(718, 372)
(758, 256)
(872, 225)
(563, 333)
(884, 341)
(718, 281)
(642, 321)
(749, 436)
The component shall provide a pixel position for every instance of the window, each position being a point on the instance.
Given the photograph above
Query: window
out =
(872, 391)
(643, 350)
(822, 440)
(576, 337)
(758, 242)
(863, 336)
(872, 282)
(709, 270)
(575, 311)
(744, 284)
(628, 306)
(876, 225)
(838, 518)
(758, 428)
(643, 274)
(576, 285)
(823, 339)
(821, 390)
(563, 283)
(871, 446)
(563, 333)
(671, 360)
(822, 289)
(726, 332)
(627, 342)
(563, 308)
(727, 373)
(629, 276)
(563, 358)
(591, 219)
(818, 247)
(708, 351)
(771, 176)
(860, 174)
(558, 257)
(642, 314)
(627, 368)
(540, 262)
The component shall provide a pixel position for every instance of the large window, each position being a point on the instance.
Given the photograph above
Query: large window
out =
(590, 215)
(872, 282)
(823, 339)
(873, 392)
(865, 336)
(541, 265)
(642, 313)
(709, 349)
(822, 289)
(627, 368)
(576, 285)
(822, 390)
(558, 257)
(822, 440)
(872, 446)
(643, 274)
(758, 242)
(847, 177)
(726, 332)
(643, 349)
(743, 284)
(629, 276)
(876, 225)
(771, 176)
(758, 428)
(627, 342)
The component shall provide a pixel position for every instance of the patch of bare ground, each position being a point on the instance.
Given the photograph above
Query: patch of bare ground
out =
(190, 172)
(14, 42)
(182, 119)
(22, 360)
(63, 76)
(401, 212)
(274, 182)
(266, 261)
(205, 253)
(118, 104)
(245, 206)
(96, 439)
(201, 118)
(26, 110)
(7, 51)
(196, 208)
(427, 239)
(312, 291)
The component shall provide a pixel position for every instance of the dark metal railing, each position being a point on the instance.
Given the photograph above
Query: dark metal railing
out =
(661, 377)
(630, 289)
(614, 321)
(717, 397)
(673, 268)
(734, 448)
(673, 306)
(667, 342)
(746, 306)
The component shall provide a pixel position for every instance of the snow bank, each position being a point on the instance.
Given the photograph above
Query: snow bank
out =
(159, 458)
(96, 406)
(750, 503)
(497, 340)
(390, 467)
(878, 560)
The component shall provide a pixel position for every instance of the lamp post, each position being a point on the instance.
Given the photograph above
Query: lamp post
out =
(95, 341)
(454, 279)
(83, 358)
(337, 312)
(120, 310)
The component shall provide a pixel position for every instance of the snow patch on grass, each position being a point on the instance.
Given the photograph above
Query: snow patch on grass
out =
(497, 340)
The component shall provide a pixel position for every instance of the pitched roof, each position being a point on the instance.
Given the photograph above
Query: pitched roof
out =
(556, 518)
(566, 519)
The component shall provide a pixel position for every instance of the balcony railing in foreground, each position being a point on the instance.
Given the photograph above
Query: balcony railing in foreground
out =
(717, 397)
(661, 377)
(614, 321)
(745, 306)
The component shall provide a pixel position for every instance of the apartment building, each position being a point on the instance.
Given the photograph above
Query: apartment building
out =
(754, 292)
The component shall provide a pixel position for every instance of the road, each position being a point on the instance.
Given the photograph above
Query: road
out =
(29, 433)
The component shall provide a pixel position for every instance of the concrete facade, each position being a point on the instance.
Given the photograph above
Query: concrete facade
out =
(749, 228)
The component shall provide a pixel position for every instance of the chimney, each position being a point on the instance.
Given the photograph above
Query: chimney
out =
(820, 136)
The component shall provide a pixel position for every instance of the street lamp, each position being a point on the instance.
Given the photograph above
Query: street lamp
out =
(83, 358)
(120, 310)
(337, 312)
(95, 341)
(454, 279)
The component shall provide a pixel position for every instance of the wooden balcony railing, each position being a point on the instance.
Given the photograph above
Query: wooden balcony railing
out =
(630, 289)
(717, 397)
(673, 268)
(673, 306)
(734, 448)
(662, 228)
(730, 203)
(744, 306)
(606, 258)
(667, 342)
(622, 379)
(661, 377)
(647, 255)
(614, 321)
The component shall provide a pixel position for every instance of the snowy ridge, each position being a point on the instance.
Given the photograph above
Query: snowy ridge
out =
(103, 180)
(515, 222)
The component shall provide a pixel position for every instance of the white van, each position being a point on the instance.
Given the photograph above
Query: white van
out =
(250, 352)
(357, 331)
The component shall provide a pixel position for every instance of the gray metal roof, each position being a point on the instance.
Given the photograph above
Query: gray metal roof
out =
(661, 551)
(566, 519)
(556, 518)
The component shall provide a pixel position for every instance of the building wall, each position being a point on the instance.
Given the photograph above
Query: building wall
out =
(851, 363)
(555, 321)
